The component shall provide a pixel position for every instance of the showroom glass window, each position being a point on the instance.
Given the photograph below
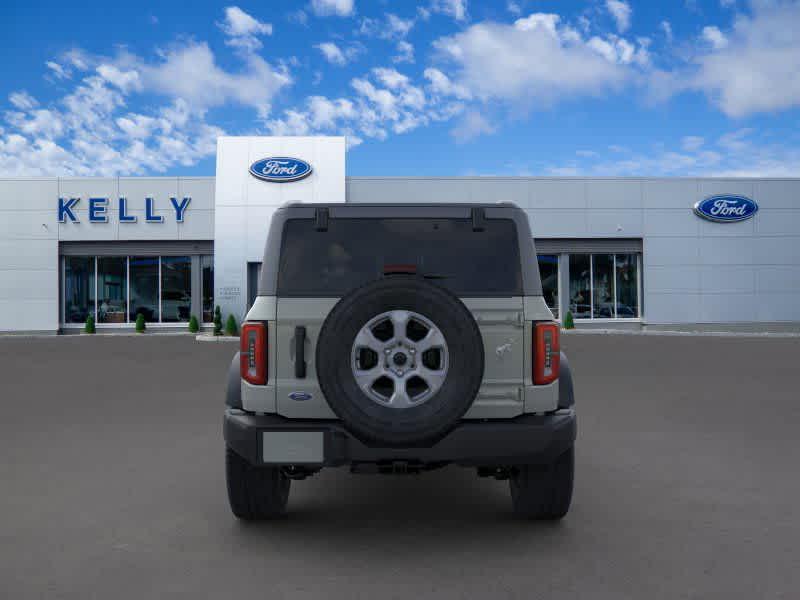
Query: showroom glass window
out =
(627, 281)
(580, 284)
(112, 289)
(144, 288)
(78, 288)
(176, 288)
(548, 271)
(207, 270)
(604, 286)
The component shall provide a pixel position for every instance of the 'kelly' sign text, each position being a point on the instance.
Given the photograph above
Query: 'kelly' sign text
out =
(99, 208)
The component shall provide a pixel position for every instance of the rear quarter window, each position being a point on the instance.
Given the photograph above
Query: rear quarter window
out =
(353, 252)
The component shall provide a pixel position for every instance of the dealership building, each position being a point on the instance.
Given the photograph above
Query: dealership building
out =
(615, 252)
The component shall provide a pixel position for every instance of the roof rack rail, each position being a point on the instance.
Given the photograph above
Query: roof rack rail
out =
(321, 218)
(478, 219)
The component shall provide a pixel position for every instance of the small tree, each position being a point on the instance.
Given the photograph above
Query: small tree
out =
(569, 322)
(193, 326)
(230, 326)
(140, 325)
(89, 327)
(217, 321)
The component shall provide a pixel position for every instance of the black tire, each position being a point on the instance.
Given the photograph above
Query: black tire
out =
(366, 419)
(543, 492)
(255, 493)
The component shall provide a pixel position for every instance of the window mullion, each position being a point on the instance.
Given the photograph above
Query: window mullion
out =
(95, 289)
(591, 287)
(127, 289)
(639, 285)
(614, 275)
(159, 289)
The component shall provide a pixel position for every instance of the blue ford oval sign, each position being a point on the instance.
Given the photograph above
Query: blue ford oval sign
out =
(300, 396)
(726, 209)
(280, 169)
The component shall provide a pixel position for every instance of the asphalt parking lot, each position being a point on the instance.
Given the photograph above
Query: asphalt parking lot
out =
(112, 485)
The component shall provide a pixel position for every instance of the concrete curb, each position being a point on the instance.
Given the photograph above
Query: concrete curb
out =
(668, 333)
(81, 334)
(216, 338)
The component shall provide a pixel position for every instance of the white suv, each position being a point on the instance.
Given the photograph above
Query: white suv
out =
(396, 339)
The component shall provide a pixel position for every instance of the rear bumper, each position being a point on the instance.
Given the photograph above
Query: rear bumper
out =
(528, 439)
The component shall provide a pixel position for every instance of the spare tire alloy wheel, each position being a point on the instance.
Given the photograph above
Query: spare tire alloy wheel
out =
(400, 359)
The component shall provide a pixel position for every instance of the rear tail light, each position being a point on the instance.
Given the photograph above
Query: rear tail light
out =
(253, 352)
(546, 352)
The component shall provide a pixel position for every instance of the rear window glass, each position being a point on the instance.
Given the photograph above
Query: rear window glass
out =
(353, 252)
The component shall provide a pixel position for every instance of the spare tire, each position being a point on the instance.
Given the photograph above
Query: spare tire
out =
(400, 361)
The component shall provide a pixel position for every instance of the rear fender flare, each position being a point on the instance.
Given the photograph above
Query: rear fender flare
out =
(233, 393)
(566, 391)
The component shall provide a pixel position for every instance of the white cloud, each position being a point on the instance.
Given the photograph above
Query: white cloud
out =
(138, 126)
(536, 60)
(191, 72)
(391, 27)
(391, 78)
(37, 123)
(298, 16)
(472, 124)
(91, 130)
(666, 27)
(405, 53)
(619, 50)
(332, 53)
(382, 99)
(453, 8)
(758, 70)
(385, 101)
(514, 8)
(22, 100)
(339, 8)
(57, 70)
(243, 29)
(127, 80)
(336, 55)
(398, 27)
(441, 84)
(735, 154)
(715, 37)
(621, 11)
(692, 143)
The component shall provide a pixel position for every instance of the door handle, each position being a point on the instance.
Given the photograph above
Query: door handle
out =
(300, 352)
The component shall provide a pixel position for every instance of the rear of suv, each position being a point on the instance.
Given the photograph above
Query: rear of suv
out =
(398, 339)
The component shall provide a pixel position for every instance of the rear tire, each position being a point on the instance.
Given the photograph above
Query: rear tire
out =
(543, 492)
(255, 493)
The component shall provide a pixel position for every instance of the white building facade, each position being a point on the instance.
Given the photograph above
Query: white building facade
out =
(630, 252)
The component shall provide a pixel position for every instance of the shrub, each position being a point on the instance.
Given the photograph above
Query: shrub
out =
(230, 326)
(89, 327)
(569, 322)
(217, 321)
(140, 324)
(193, 326)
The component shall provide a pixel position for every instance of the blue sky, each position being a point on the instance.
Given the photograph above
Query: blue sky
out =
(437, 87)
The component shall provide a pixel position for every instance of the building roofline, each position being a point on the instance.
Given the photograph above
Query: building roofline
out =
(415, 178)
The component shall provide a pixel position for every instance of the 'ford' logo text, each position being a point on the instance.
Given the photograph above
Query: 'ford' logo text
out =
(300, 396)
(280, 169)
(726, 209)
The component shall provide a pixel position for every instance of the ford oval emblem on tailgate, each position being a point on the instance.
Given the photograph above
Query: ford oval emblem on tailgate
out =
(726, 209)
(280, 169)
(300, 396)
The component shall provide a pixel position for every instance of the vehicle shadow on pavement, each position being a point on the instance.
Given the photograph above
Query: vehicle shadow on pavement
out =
(428, 513)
